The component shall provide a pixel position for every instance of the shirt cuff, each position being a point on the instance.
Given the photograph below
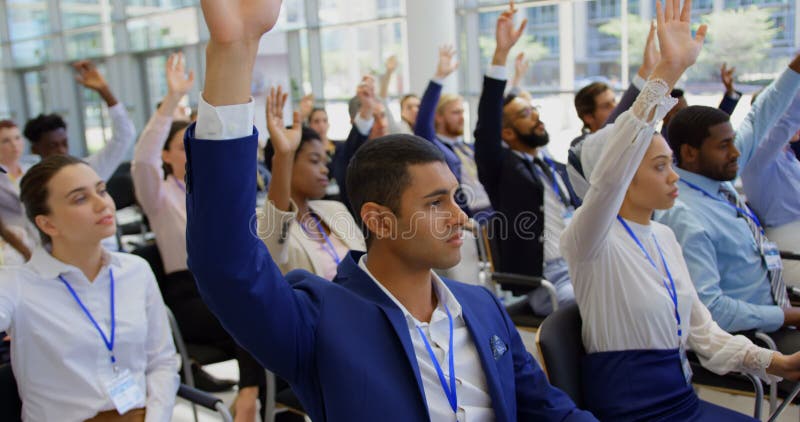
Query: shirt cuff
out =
(735, 96)
(437, 81)
(117, 109)
(364, 126)
(638, 82)
(773, 317)
(224, 122)
(497, 72)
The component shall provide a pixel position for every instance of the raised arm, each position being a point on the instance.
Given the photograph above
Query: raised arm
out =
(650, 59)
(767, 109)
(424, 126)
(630, 136)
(488, 144)
(278, 214)
(235, 274)
(146, 169)
(731, 98)
(123, 133)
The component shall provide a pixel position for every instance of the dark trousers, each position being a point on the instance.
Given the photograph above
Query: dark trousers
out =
(199, 326)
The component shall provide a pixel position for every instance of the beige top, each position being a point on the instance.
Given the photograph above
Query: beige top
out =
(292, 248)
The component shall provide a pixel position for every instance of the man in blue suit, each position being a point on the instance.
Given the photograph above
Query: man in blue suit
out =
(388, 339)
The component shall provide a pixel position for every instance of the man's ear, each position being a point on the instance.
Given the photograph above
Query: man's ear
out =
(688, 154)
(379, 220)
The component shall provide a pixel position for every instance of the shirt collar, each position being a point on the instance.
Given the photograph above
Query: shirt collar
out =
(49, 267)
(445, 296)
(709, 185)
(450, 141)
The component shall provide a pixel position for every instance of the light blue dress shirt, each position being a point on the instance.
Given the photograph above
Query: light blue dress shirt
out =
(772, 177)
(722, 255)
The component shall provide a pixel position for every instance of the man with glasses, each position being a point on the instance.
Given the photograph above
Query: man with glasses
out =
(529, 191)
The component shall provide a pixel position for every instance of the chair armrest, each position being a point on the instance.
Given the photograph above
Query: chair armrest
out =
(791, 256)
(206, 400)
(528, 282)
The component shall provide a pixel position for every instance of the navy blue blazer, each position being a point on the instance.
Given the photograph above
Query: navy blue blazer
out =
(344, 347)
(517, 196)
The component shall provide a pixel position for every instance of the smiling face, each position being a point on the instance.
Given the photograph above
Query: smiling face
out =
(80, 209)
(654, 186)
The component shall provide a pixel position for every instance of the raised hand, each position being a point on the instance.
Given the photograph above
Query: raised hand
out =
(178, 82)
(651, 54)
(506, 35)
(89, 76)
(726, 75)
(366, 94)
(285, 141)
(447, 62)
(521, 67)
(306, 105)
(391, 64)
(233, 21)
(678, 48)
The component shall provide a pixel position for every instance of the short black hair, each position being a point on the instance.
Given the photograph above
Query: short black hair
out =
(307, 135)
(378, 172)
(690, 126)
(42, 124)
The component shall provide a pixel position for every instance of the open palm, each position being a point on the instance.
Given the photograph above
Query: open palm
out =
(178, 82)
(506, 34)
(447, 62)
(678, 47)
(283, 140)
(231, 21)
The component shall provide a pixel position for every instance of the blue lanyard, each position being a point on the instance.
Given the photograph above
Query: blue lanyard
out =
(329, 248)
(553, 173)
(451, 391)
(671, 290)
(746, 212)
(109, 343)
(180, 184)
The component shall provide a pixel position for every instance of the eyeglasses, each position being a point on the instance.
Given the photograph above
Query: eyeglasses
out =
(527, 111)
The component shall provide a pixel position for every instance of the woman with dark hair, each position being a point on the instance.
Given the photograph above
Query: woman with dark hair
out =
(299, 229)
(638, 303)
(91, 335)
(158, 170)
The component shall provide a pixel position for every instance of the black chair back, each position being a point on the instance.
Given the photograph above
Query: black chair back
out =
(561, 346)
(10, 403)
(151, 254)
(120, 186)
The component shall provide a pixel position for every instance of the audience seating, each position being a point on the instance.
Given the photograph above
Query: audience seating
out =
(561, 347)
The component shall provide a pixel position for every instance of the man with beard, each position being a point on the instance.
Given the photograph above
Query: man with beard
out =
(735, 268)
(529, 191)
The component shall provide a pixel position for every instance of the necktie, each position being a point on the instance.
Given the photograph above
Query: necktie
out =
(549, 174)
(778, 287)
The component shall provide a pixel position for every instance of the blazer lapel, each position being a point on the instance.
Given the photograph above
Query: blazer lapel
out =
(352, 277)
(482, 338)
(307, 244)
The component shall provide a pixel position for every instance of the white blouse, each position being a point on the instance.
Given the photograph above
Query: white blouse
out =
(623, 301)
(59, 359)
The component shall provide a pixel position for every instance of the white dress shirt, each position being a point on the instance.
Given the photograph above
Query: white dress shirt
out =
(622, 297)
(123, 134)
(163, 200)
(474, 402)
(60, 360)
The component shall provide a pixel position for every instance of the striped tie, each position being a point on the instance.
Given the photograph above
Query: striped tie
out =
(777, 285)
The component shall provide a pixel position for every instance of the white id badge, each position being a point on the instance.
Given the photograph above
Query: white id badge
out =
(567, 216)
(124, 392)
(772, 256)
(685, 365)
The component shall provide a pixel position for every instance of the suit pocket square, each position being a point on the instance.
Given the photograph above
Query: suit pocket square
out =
(499, 348)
